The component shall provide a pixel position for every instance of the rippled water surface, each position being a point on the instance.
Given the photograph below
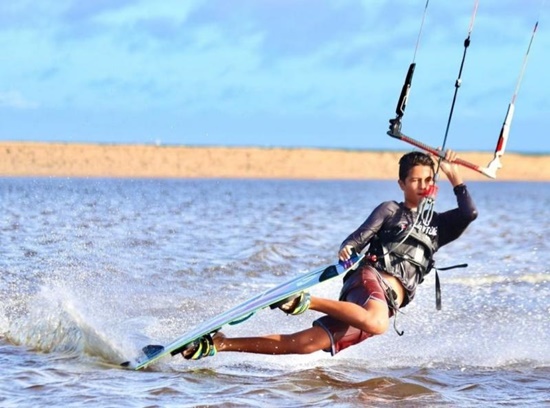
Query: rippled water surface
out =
(92, 270)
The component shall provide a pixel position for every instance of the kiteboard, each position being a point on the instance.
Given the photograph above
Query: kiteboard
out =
(271, 297)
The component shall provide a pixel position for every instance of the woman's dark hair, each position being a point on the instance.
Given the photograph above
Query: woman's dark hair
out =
(409, 160)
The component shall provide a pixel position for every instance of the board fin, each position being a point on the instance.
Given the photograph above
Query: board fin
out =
(152, 350)
(328, 273)
(242, 319)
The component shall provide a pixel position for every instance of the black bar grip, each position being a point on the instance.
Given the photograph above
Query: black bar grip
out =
(402, 103)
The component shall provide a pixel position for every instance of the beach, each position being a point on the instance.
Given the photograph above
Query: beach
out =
(38, 159)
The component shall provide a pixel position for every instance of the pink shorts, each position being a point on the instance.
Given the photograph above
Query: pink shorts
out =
(362, 286)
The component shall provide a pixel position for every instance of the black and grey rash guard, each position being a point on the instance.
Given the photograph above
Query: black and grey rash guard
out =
(390, 215)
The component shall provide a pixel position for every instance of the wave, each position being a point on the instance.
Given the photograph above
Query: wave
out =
(53, 322)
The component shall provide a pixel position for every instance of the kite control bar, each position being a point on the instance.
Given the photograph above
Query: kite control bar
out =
(395, 131)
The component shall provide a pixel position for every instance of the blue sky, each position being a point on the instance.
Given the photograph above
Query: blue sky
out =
(274, 73)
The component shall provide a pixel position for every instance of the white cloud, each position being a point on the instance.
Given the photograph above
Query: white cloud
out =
(14, 99)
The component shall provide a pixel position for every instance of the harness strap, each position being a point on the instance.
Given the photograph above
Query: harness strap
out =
(437, 291)
(391, 298)
(438, 284)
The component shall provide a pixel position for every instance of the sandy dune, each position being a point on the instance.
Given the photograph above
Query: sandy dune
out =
(102, 160)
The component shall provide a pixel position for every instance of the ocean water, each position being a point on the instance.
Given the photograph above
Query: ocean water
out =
(91, 270)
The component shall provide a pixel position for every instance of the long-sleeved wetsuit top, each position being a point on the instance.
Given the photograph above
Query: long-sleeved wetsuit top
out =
(444, 228)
